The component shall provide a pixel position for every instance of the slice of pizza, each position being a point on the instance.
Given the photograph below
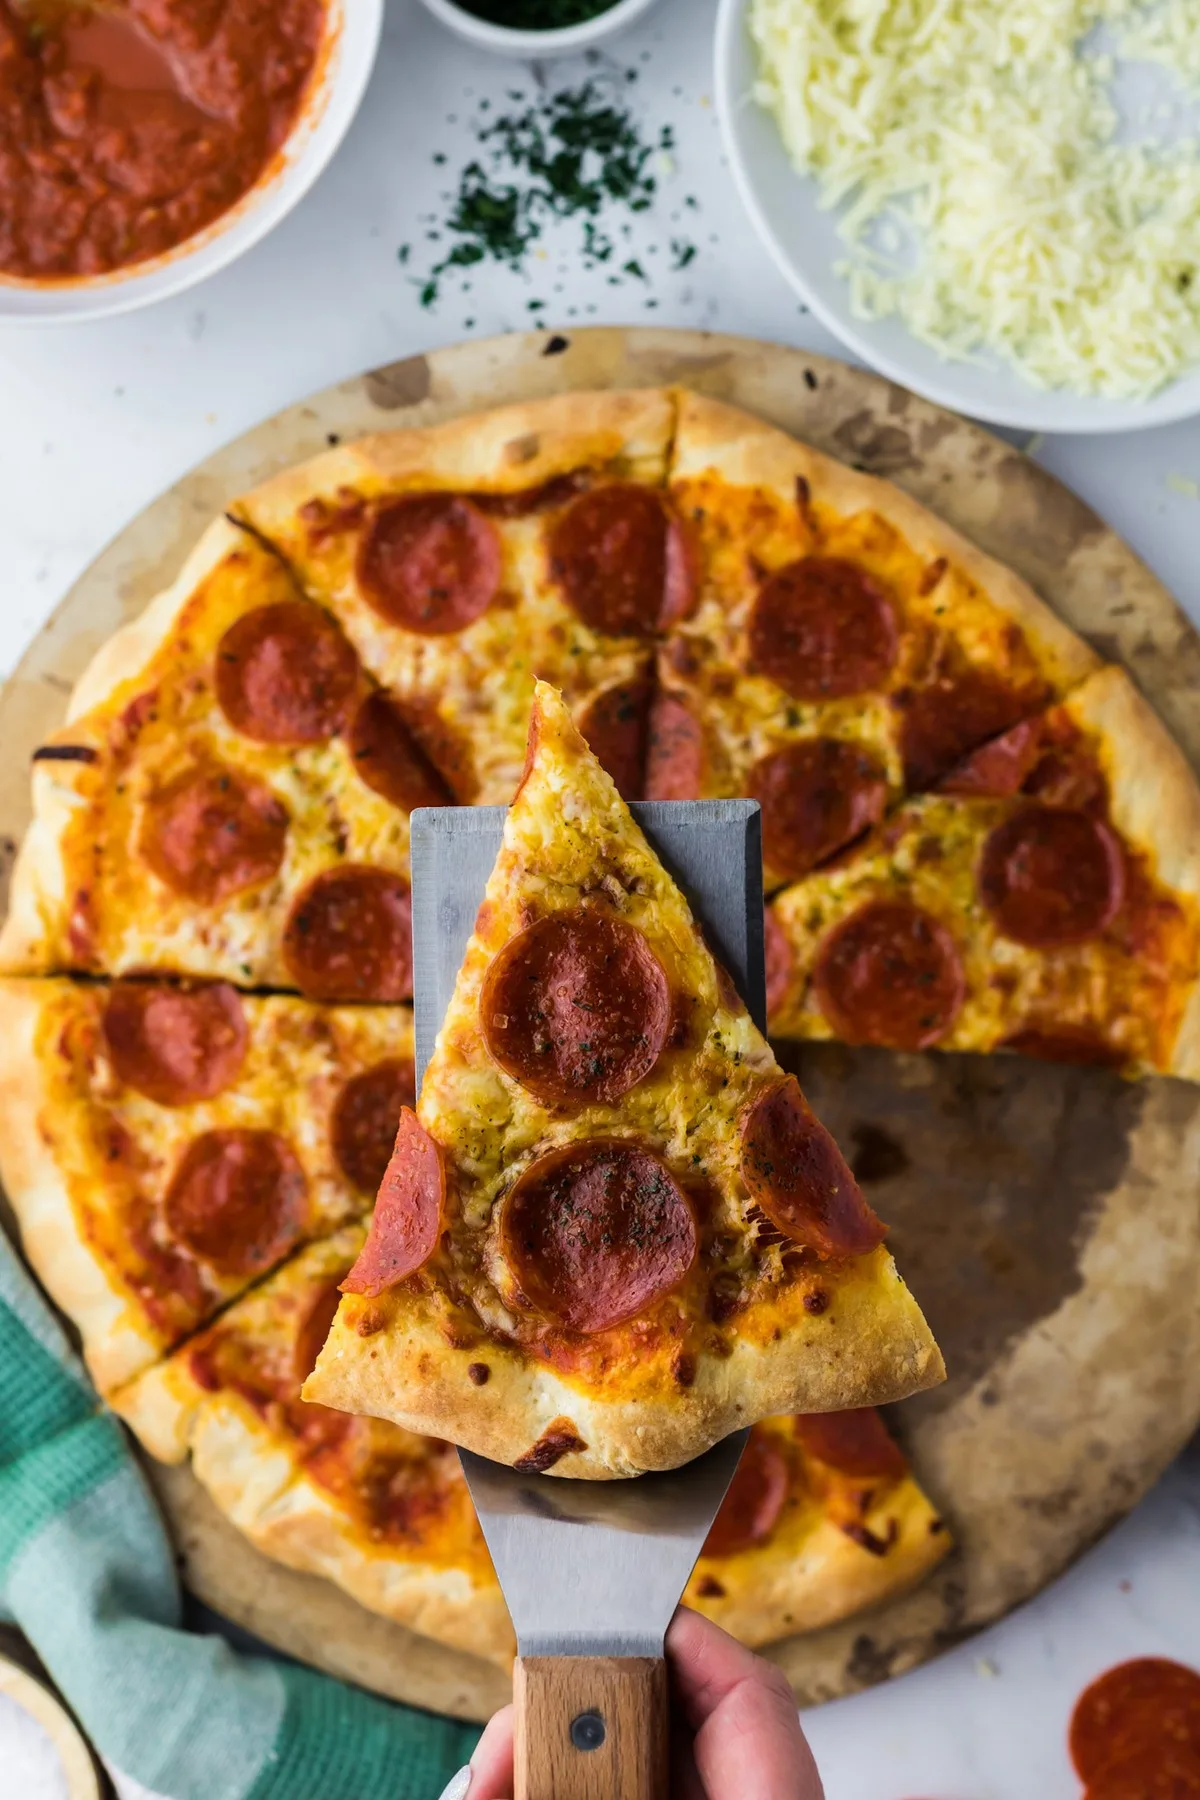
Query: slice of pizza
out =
(822, 1519)
(613, 1231)
(228, 799)
(162, 1147)
(383, 1513)
(464, 558)
(845, 646)
(1045, 900)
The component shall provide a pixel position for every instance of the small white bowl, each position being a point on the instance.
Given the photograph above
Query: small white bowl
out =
(803, 239)
(538, 46)
(352, 38)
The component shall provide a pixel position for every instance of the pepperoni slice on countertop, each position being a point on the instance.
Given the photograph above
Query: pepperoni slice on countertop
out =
(890, 974)
(616, 725)
(754, 1500)
(1066, 1044)
(210, 834)
(390, 760)
(286, 674)
(407, 1221)
(619, 555)
(797, 1175)
(778, 952)
(856, 1443)
(577, 1008)
(823, 629)
(175, 1045)
(365, 1118)
(1164, 1771)
(313, 1330)
(596, 1232)
(674, 751)
(349, 936)
(946, 718)
(237, 1200)
(817, 796)
(430, 563)
(1133, 1712)
(1052, 875)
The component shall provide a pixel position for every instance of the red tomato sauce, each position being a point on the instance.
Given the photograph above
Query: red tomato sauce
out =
(127, 128)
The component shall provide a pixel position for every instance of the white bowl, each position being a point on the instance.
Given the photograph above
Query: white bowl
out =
(804, 241)
(353, 38)
(537, 46)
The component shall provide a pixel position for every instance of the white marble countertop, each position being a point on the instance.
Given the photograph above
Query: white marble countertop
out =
(96, 419)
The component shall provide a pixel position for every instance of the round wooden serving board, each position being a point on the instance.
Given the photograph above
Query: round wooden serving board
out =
(1045, 1217)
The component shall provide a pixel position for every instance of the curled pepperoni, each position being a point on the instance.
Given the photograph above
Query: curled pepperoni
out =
(390, 760)
(210, 834)
(754, 1500)
(619, 555)
(823, 629)
(349, 936)
(675, 751)
(947, 717)
(430, 563)
(816, 796)
(998, 770)
(800, 1179)
(175, 1045)
(855, 1443)
(890, 974)
(1051, 875)
(407, 1221)
(237, 1200)
(576, 1008)
(778, 958)
(313, 1330)
(286, 674)
(1133, 1714)
(616, 725)
(365, 1118)
(596, 1232)
(1066, 1044)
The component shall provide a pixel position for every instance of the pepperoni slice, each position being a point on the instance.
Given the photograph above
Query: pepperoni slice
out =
(890, 974)
(390, 760)
(1052, 875)
(675, 752)
(237, 1200)
(800, 1179)
(430, 563)
(576, 1008)
(619, 555)
(816, 796)
(349, 936)
(1133, 1711)
(949, 716)
(407, 1221)
(1162, 1771)
(1066, 1044)
(1000, 769)
(210, 834)
(616, 725)
(313, 1330)
(175, 1045)
(778, 958)
(286, 674)
(856, 1443)
(365, 1118)
(753, 1502)
(823, 629)
(596, 1232)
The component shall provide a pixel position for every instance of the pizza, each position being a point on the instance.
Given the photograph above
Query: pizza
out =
(1045, 899)
(613, 1231)
(823, 1516)
(162, 1147)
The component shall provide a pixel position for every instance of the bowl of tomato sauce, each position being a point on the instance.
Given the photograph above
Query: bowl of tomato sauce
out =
(144, 144)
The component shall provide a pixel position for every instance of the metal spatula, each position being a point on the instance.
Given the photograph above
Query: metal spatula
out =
(592, 1570)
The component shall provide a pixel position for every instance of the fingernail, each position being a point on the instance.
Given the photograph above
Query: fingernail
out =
(457, 1787)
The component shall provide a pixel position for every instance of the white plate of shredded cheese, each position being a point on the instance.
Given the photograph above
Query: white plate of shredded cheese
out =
(994, 202)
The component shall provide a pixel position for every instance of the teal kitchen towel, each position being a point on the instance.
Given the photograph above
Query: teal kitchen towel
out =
(87, 1573)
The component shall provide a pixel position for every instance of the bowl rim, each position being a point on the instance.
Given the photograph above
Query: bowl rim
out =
(256, 213)
(523, 42)
(1057, 411)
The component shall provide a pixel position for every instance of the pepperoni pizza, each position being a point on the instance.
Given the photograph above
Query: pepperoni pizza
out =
(822, 1518)
(614, 1230)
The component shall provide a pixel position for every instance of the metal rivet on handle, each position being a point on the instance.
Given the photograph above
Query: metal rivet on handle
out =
(587, 1731)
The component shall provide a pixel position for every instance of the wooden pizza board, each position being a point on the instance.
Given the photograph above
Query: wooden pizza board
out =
(1045, 1217)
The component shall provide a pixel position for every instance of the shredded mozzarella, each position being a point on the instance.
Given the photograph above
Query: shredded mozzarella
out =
(986, 130)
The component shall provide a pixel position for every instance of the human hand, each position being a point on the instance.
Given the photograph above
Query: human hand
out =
(734, 1728)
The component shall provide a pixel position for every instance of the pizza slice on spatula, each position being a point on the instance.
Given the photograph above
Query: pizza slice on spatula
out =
(613, 1231)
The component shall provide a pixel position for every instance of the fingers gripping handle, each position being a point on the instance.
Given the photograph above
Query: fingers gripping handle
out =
(590, 1728)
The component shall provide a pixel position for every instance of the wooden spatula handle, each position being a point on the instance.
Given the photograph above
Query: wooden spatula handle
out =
(590, 1728)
